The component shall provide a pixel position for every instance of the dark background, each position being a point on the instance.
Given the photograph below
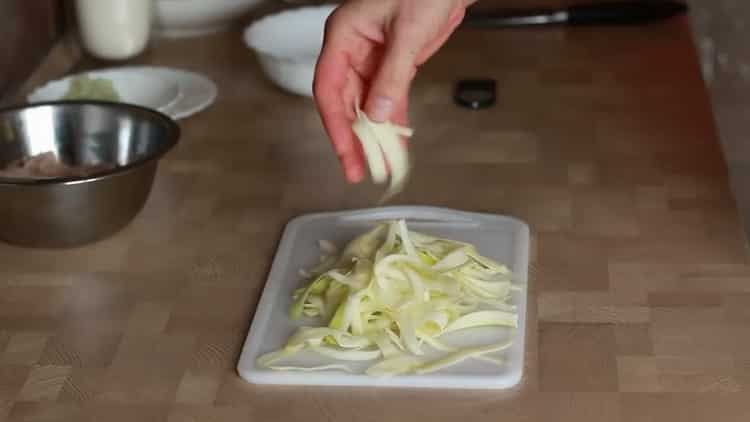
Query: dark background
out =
(28, 29)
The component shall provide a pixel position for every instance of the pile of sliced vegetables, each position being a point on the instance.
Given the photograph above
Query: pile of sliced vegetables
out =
(87, 88)
(383, 148)
(392, 293)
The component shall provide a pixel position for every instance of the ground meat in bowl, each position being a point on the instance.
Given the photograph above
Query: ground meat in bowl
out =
(46, 166)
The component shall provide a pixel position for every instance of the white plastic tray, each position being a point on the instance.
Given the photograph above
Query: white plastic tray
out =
(502, 238)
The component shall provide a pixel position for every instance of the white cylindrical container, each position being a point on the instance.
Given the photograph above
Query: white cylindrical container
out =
(114, 29)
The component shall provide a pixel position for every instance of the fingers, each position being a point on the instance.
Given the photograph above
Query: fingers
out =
(370, 57)
(433, 46)
(331, 82)
(337, 120)
(401, 118)
(400, 114)
(411, 43)
(394, 75)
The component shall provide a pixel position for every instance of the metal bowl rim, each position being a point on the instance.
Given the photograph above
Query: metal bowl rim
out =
(173, 130)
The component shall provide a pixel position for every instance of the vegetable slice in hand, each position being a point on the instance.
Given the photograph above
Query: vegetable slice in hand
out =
(383, 149)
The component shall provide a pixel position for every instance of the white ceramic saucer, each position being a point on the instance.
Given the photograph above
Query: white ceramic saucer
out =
(174, 92)
(198, 92)
(135, 86)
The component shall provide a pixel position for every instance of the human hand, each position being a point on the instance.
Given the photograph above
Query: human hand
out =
(371, 52)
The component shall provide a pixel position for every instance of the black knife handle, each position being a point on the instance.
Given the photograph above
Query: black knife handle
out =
(624, 13)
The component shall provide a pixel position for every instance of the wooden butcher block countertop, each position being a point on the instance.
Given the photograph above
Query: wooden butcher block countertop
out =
(602, 140)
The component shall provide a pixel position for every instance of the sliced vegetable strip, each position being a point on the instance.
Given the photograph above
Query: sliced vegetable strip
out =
(390, 297)
(384, 151)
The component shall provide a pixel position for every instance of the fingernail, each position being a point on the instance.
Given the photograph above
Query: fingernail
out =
(382, 107)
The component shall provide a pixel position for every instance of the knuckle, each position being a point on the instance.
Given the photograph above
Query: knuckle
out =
(400, 77)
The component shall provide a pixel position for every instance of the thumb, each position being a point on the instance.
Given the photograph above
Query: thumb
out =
(392, 80)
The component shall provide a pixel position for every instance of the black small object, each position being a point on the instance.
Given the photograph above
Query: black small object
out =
(475, 93)
(625, 12)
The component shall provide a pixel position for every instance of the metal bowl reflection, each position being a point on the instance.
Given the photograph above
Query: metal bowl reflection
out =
(68, 211)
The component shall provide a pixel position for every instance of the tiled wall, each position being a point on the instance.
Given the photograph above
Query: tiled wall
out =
(28, 28)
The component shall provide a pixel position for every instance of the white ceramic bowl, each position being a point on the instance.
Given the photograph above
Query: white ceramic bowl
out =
(288, 45)
(185, 18)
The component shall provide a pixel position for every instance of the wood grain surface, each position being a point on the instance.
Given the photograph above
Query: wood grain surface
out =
(602, 139)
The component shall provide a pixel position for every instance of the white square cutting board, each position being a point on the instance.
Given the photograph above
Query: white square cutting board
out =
(504, 239)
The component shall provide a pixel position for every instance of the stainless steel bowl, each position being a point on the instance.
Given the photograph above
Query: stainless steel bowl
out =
(72, 211)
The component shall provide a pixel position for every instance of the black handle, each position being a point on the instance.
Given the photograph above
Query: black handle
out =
(619, 13)
(624, 13)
